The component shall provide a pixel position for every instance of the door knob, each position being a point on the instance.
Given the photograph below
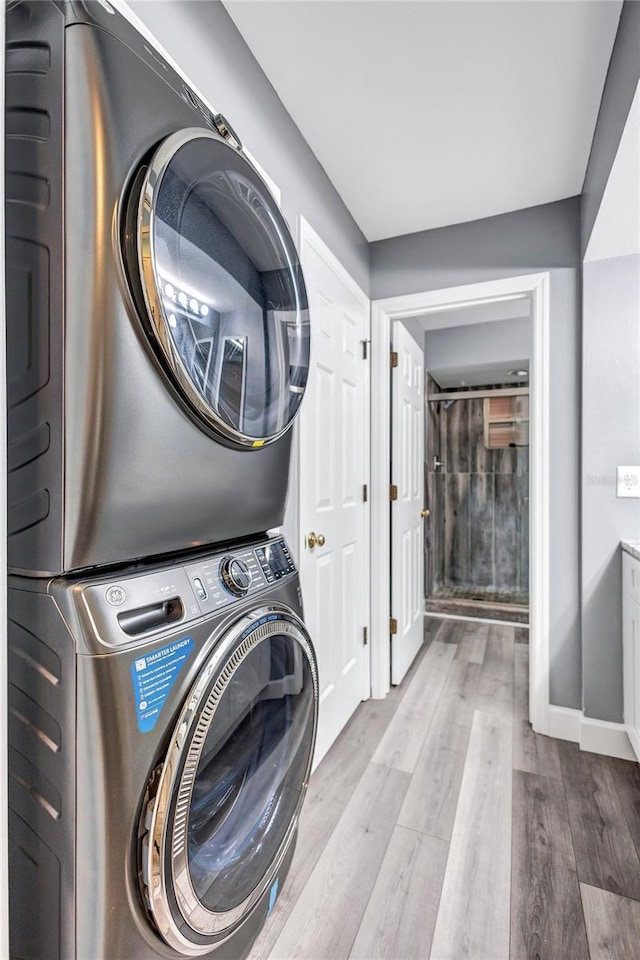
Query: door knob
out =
(425, 513)
(313, 539)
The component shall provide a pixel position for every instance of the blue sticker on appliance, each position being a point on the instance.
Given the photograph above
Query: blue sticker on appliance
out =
(273, 894)
(153, 676)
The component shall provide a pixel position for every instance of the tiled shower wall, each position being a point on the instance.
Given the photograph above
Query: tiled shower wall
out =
(477, 537)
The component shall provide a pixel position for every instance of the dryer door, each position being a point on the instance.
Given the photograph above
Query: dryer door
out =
(222, 290)
(222, 809)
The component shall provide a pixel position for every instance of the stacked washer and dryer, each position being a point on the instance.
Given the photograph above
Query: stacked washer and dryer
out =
(163, 688)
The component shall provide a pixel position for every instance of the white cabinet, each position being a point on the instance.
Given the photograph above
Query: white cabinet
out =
(631, 647)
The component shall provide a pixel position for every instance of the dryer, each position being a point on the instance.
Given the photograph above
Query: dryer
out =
(158, 328)
(162, 724)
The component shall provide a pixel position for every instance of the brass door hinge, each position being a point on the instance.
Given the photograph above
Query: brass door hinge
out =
(393, 626)
(365, 636)
(365, 349)
(393, 491)
(365, 492)
(394, 358)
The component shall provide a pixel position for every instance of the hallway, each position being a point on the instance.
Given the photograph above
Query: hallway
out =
(440, 826)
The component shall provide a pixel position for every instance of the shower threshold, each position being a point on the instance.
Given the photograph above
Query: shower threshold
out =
(490, 608)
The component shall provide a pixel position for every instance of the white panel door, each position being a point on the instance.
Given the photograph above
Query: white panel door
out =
(334, 464)
(407, 471)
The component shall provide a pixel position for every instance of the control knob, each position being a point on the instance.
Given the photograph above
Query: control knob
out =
(235, 575)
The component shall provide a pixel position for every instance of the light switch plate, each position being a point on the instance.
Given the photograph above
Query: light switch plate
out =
(628, 482)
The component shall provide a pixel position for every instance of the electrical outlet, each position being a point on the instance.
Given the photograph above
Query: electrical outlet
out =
(628, 482)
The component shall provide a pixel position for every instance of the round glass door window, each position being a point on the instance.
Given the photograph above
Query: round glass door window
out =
(223, 288)
(233, 783)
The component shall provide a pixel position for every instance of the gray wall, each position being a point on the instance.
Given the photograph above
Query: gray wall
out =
(611, 436)
(611, 394)
(527, 241)
(203, 40)
(619, 90)
(478, 343)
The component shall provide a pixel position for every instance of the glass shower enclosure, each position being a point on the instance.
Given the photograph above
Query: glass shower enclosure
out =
(477, 492)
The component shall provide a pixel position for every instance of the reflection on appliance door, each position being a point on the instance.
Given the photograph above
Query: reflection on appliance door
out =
(250, 773)
(299, 347)
(224, 263)
(232, 381)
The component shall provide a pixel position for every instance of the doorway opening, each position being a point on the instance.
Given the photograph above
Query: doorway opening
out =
(476, 468)
(506, 423)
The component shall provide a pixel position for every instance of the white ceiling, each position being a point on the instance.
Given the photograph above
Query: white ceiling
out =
(427, 113)
(481, 374)
(616, 232)
(504, 309)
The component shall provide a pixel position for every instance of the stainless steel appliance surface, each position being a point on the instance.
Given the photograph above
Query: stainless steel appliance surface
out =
(162, 726)
(158, 329)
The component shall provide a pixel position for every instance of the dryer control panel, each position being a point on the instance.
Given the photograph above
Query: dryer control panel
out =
(140, 604)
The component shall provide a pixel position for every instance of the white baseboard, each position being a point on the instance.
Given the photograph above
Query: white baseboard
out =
(601, 736)
(564, 723)
(635, 742)
(594, 736)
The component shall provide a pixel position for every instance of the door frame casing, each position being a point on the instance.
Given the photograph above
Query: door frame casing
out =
(534, 286)
(306, 234)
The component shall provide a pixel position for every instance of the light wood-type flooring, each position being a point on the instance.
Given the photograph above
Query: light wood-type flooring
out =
(440, 826)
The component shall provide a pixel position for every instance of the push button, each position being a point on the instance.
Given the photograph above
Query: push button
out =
(200, 590)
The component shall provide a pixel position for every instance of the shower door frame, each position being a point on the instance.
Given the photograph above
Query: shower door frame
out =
(535, 288)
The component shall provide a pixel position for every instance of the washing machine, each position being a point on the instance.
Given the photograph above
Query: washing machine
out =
(162, 725)
(158, 328)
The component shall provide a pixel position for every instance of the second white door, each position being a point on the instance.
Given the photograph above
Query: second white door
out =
(334, 464)
(407, 470)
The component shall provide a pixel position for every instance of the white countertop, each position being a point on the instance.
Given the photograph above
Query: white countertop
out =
(632, 547)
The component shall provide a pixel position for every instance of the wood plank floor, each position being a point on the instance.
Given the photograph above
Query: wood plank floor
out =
(439, 826)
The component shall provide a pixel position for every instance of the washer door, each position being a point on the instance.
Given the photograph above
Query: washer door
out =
(222, 809)
(225, 301)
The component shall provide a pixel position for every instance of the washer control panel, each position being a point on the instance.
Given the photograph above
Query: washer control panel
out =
(139, 604)
(275, 560)
(221, 580)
